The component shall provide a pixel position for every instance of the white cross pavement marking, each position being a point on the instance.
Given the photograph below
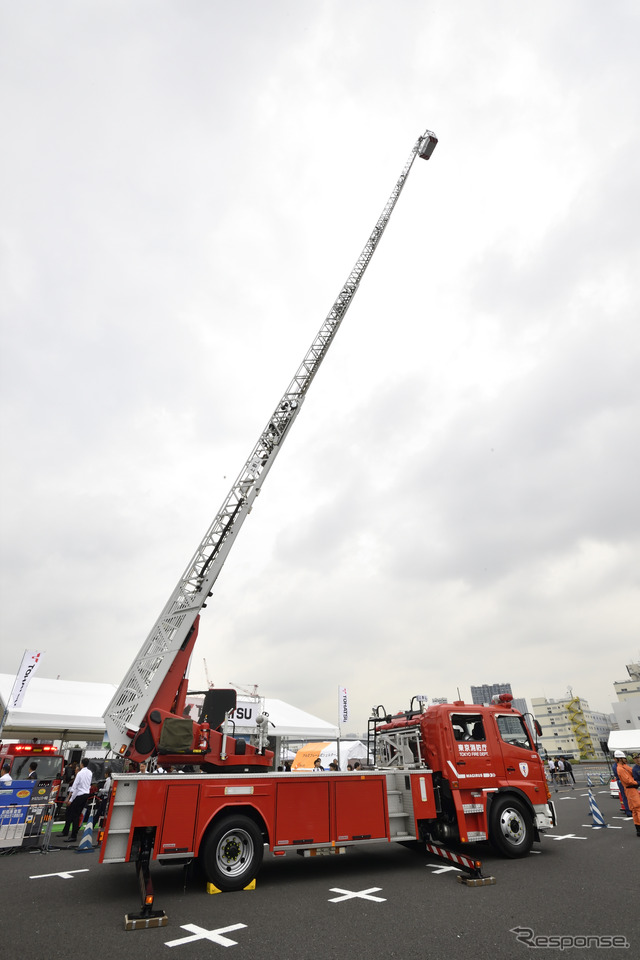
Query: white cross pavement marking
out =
(199, 933)
(567, 836)
(568, 798)
(441, 868)
(65, 874)
(350, 894)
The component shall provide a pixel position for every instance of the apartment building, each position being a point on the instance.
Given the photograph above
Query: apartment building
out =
(571, 728)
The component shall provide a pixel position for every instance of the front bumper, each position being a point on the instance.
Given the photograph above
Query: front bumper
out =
(545, 816)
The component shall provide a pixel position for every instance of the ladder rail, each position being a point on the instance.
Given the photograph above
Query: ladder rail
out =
(134, 697)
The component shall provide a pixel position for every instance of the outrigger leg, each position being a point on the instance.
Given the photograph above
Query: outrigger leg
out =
(471, 867)
(148, 917)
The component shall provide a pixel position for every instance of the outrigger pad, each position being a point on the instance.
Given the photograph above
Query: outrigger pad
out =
(476, 881)
(136, 921)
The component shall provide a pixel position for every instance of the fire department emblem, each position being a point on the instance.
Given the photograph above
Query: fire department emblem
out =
(524, 769)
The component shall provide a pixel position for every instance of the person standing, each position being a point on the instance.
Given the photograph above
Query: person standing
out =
(630, 784)
(78, 796)
(103, 794)
(569, 769)
(621, 791)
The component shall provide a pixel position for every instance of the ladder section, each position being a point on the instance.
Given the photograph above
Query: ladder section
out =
(135, 696)
(117, 841)
(400, 804)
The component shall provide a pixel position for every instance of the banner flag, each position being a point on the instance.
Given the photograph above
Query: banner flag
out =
(27, 669)
(343, 705)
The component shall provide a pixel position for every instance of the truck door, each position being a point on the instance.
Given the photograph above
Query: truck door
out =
(474, 764)
(521, 760)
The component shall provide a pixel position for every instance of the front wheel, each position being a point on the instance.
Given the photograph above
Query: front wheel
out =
(511, 828)
(232, 853)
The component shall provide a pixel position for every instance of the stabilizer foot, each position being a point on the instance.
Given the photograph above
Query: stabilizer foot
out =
(136, 921)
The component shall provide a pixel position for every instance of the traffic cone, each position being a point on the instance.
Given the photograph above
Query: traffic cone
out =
(589, 780)
(594, 810)
(86, 843)
(602, 779)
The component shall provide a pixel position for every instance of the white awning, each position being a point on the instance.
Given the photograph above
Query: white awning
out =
(626, 740)
(56, 709)
(72, 710)
(293, 723)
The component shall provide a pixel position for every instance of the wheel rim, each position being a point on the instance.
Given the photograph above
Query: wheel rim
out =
(512, 826)
(234, 852)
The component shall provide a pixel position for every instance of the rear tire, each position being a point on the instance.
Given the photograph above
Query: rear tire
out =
(511, 828)
(232, 853)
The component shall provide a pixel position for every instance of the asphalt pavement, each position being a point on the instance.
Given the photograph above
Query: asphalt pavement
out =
(379, 901)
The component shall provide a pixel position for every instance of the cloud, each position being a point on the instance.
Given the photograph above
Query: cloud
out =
(184, 195)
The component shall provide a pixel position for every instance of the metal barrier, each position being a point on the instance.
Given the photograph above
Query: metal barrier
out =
(27, 825)
(39, 824)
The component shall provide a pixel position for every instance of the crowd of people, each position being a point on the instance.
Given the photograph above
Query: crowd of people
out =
(560, 769)
(628, 779)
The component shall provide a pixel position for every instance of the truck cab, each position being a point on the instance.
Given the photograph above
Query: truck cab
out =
(488, 776)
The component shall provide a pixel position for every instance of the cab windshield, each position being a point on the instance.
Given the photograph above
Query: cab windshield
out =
(513, 731)
(48, 768)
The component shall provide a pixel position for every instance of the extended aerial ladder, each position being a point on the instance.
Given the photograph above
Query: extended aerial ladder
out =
(146, 714)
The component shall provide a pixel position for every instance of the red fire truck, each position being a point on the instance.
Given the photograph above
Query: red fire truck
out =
(449, 772)
(50, 763)
(452, 772)
(49, 769)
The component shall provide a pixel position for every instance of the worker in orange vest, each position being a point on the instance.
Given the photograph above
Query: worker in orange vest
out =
(630, 784)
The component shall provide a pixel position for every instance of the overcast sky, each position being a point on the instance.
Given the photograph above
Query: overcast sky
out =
(186, 186)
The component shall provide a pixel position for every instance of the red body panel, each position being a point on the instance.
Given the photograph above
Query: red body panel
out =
(295, 809)
(361, 809)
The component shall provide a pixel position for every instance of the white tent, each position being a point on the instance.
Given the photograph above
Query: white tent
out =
(285, 721)
(56, 709)
(627, 740)
(292, 723)
(72, 710)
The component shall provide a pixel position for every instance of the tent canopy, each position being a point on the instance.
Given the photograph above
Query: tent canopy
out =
(285, 720)
(626, 740)
(56, 709)
(294, 724)
(72, 710)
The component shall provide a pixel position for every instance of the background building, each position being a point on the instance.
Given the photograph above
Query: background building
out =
(486, 691)
(627, 707)
(570, 727)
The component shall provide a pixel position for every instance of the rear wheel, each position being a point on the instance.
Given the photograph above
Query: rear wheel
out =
(232, 853)
(511, 830)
